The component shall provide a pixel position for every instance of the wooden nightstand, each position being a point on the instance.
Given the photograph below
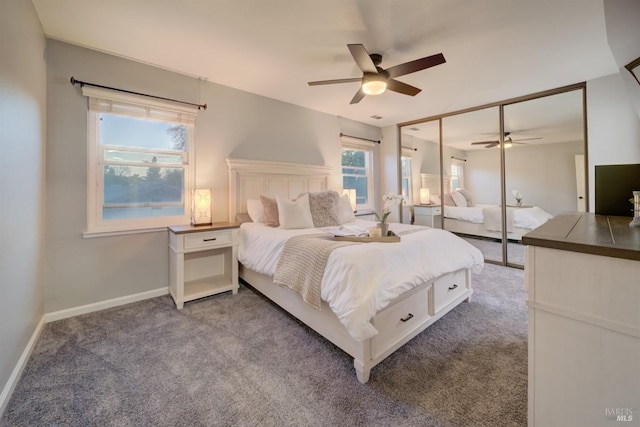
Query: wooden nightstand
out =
(202, 261)
(430, 215)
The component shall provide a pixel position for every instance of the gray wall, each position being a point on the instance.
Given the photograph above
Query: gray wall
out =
(235, 124)
(22, 151)
(544, 174)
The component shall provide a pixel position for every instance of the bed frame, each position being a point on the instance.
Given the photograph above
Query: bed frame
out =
(406, 316)
(474, 229)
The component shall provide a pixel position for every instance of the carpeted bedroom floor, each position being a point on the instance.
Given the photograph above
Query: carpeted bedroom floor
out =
(238, 360)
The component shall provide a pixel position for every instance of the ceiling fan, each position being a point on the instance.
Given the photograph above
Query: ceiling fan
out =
(508, 141)
(376, 80)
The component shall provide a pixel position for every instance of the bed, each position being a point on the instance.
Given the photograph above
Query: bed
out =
(483, 220)
(367, 322)
(486, 220)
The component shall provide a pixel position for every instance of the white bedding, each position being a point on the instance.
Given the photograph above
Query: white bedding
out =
(528, 218)
(360, 280)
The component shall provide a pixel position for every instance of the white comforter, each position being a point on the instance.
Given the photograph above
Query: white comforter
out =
(528, 218)
(359, 280)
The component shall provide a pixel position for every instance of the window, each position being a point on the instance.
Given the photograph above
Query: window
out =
(407, 182)
(357, 172)
(457, 174)
(139, 162)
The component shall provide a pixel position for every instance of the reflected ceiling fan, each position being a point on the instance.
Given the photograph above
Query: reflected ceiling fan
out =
(376, 80)
(508, 141)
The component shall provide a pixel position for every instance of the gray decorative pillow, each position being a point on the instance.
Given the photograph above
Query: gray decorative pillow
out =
(324, 208)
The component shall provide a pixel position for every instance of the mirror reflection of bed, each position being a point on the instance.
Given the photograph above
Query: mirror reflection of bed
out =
(543, 164)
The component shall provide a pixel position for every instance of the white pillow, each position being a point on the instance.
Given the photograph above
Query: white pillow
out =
(435, 199)
(459, 199)
(255, 210)
(295, 214)
(345, 210)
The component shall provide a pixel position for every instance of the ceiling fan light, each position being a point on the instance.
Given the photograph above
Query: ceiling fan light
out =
(508, 144)
(374, 84)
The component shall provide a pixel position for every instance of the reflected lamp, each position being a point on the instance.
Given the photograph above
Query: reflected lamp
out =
(425, 198)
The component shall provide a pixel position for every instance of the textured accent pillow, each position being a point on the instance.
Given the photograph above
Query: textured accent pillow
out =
(294, 214)
(448, 200)
(459, 199)
(255, 210)
(345, 209)
(324, 208)
(270, 210)
(467, 196)
(435, 199)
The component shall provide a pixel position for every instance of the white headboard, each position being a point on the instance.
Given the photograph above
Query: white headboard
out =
(432, 182)
(249, 179)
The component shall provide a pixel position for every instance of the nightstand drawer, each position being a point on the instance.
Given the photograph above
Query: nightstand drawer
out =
(427, 210)
(209, 239)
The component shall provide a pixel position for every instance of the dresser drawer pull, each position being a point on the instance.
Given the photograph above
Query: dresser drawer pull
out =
(406, 319)
(209, 240)
(453, 287)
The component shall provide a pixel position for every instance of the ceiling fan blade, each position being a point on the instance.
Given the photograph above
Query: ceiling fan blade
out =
(330, 82)
(400, 87)
(358, 96)
(484, 142)
(495, 144)
(362, 58)
(417, 65)
(527, 139)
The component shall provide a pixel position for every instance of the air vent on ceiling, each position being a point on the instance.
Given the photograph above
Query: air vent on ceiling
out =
(375, 116)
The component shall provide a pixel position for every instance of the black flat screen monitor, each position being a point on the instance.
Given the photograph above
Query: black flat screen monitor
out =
(615, 185)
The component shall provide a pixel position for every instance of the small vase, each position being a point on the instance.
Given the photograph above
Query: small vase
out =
(384, 228)
(519, 203)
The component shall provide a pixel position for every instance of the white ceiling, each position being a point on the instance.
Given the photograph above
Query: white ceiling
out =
(495, 49)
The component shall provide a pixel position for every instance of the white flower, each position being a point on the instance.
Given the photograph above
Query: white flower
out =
(517, 195)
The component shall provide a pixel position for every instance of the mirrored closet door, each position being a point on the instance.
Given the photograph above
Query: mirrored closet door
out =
(495, 173)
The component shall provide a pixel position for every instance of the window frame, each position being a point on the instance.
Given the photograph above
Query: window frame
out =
(459, 165)
(408, 198)
(134, 107)
(348, 145)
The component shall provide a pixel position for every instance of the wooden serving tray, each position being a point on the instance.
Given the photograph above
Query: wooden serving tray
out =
(391, 237)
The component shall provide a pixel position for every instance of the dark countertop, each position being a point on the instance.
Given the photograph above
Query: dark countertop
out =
(588, 233)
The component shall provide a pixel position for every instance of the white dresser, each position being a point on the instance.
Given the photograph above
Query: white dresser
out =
(583, 281)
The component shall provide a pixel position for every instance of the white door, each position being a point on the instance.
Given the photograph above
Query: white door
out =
(581, 201)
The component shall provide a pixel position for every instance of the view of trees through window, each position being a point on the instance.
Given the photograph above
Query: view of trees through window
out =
(143, 167)
(355, 173)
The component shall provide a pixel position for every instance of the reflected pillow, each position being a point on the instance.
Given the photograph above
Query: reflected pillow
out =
(467, 196)
(459, 199)
(448, 200)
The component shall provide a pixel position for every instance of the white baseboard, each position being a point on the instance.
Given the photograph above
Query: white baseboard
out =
(22, 362)
(97, 306)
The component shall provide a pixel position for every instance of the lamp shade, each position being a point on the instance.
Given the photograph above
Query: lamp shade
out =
(201, 209)
(425, 198)
(351, 193)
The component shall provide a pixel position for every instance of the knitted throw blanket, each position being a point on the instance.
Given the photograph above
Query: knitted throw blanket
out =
(301, 265)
